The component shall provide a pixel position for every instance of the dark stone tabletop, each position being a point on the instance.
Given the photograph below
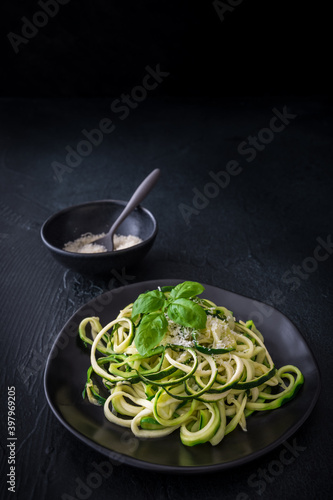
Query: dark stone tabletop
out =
(265, 233)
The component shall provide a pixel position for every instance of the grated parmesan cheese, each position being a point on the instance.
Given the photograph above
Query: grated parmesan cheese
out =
(85, 243)
(178, 335)
(120, 241)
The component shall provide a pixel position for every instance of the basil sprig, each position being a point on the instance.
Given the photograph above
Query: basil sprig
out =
(148, 302)
(150, 332)
(179, 307)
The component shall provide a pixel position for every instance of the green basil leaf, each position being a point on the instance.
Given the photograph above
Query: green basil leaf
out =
(148, 302)
(150, 332)
(187, 313)
(186, 290)
(167, 288)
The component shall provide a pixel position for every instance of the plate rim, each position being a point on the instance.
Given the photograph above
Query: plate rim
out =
(178, 469)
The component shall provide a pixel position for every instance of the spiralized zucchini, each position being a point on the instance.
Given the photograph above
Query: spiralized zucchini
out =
(204, 382)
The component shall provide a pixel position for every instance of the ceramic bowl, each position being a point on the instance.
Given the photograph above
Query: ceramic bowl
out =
(97, 217)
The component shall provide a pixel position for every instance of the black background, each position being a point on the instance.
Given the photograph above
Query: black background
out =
(226, 78)
(98, 48)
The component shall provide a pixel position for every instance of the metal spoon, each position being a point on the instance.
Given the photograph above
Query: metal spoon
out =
(140, 193)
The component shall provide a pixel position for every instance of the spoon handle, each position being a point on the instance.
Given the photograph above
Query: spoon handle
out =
(139, 194)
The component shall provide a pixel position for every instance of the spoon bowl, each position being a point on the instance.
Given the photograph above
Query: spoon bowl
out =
(96, 217)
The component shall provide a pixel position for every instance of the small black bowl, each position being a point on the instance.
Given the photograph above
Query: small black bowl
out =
(97, 217)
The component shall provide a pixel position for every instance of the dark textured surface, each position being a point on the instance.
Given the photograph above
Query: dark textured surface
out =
(247, 239)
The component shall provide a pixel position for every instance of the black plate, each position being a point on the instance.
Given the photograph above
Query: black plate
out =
(65, 376)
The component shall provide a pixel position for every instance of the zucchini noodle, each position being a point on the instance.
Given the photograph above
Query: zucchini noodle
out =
(206, 383)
